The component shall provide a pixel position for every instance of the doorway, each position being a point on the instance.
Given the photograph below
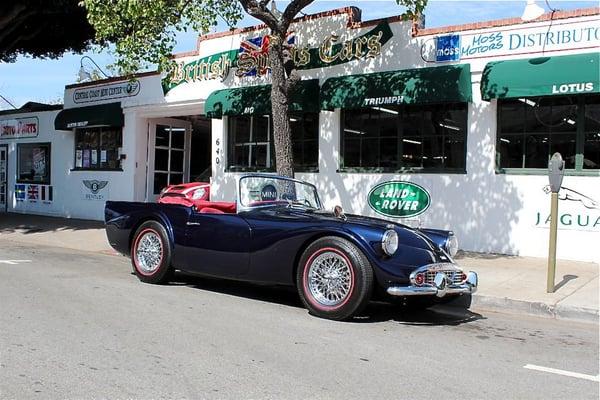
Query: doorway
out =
(169, 141)
(3, 177)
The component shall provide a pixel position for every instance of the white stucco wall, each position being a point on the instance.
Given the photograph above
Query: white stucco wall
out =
(69, 198)
(490, 212)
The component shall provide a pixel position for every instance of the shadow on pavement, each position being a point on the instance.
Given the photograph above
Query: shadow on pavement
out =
(434, 316)
(373, 313)
(29, 223)
(481, 256)
(565, 280)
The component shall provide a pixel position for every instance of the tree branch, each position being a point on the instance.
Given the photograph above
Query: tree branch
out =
(32, 34)
(9, 17)
(14, 25)
(292, 10)
(260, 11)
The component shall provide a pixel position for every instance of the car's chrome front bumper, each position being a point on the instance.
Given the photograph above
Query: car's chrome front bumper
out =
(441, 287)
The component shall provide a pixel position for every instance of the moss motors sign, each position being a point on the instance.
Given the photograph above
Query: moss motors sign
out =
(399, 199)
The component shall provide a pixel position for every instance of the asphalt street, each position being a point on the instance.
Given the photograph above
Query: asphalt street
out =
(80, 325)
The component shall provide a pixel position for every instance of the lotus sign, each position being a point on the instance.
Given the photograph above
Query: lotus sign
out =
(399, 199)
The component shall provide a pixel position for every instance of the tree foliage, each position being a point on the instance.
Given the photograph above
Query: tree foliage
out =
(144, 31)
(43, 28)
(144, 34)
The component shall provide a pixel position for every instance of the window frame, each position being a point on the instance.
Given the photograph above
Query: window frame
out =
(579, 141)
(400, 123)
(48, 166)
(251, 145)
(99, 128)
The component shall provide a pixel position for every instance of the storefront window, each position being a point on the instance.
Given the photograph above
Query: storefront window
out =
(251, 146)
(530, 130)
(406, 138)
(34, 163)
(97, 148)
(591, 140)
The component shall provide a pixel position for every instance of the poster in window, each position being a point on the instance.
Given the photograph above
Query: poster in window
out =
(78, 158)
(94, 157)
(86, 158)
(39, 161)
(103, 156)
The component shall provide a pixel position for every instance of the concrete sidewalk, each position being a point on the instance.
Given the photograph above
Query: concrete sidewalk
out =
(506, 283)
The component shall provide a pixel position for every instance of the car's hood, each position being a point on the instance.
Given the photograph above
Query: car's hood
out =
(407, 235)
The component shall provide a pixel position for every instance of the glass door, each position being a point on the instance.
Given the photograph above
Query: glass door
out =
(169, 143)
(3, 177)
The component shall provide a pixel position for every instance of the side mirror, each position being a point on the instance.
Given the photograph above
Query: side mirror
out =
(339, 212)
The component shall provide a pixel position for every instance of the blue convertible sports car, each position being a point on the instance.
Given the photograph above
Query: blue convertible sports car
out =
(277, 232)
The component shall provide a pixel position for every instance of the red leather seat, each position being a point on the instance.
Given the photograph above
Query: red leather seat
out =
(223, 206)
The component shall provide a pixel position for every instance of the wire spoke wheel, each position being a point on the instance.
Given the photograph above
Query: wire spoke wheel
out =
(149, 252)
(329, 279)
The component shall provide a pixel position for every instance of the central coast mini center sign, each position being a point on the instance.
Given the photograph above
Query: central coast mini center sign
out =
(399, 199)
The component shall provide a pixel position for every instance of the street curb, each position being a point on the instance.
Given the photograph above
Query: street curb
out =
(504, 304)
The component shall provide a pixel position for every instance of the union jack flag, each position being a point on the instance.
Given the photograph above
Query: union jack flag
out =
(259, 46)
(32, 192)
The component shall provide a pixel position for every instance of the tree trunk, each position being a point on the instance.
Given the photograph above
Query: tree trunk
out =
(282, 132)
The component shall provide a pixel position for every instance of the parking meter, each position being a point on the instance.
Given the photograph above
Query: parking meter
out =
(556, 171)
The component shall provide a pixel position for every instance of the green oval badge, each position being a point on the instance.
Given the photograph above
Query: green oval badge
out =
(399, 199)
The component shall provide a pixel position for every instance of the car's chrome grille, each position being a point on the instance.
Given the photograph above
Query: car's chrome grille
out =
(455, 276)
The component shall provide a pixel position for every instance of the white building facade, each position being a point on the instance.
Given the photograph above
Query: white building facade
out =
(470, 114)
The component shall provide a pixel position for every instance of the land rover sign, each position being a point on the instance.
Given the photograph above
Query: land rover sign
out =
(399, 199)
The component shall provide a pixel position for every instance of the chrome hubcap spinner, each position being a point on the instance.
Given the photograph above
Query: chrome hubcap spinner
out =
(329, 278)
(149, 252)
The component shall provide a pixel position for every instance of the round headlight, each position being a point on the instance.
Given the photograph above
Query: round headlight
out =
(389, 243)
(452, 245)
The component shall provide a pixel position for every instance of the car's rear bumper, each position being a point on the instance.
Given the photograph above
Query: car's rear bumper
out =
(442, 287)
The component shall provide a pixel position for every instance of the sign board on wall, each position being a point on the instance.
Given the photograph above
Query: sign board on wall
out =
(399, 199)
(447, 48)
(577, 212)
(251, 59)
(19, 128)
(94, 190)
(513, 41)
(107, 92)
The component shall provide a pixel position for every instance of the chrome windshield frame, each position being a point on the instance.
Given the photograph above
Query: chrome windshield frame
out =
(241, 207)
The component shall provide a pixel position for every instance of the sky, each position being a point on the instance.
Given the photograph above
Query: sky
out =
(43, 81)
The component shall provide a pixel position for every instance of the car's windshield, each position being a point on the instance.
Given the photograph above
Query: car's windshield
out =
(259, 191)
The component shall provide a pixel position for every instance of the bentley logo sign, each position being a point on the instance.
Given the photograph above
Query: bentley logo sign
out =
(94, 190)
(399, 199)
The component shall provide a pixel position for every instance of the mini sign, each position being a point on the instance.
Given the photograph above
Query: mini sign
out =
(399, 199)
(19, 128)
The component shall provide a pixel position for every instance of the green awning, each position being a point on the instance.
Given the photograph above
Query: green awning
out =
(446, 84)
(542, 76)
(109, 114)
(256, 100)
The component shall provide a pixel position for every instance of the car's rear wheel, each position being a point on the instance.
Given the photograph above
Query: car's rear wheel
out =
(151, 253)
(334, 278)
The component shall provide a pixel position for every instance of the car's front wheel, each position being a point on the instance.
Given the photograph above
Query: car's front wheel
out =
(334, 278)
(151, 253)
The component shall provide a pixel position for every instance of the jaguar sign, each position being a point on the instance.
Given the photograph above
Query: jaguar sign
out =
(399, 199)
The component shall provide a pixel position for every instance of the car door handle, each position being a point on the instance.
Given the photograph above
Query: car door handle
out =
(192, 223)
